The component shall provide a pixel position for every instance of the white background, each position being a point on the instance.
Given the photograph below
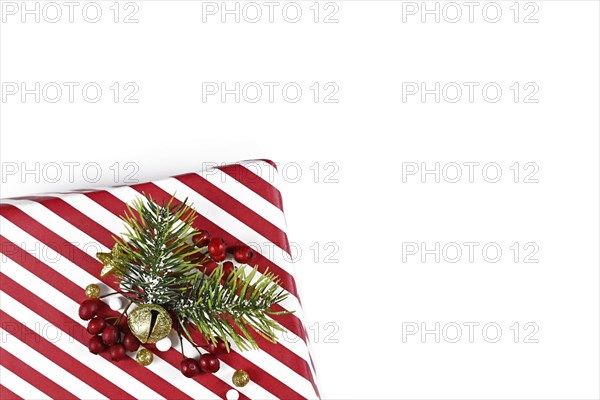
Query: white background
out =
(358, 307)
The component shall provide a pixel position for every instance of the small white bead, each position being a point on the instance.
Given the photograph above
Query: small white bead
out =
(163, 344)
(233, 394)
(115, 303)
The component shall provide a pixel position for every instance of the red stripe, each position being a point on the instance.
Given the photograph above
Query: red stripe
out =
(33, 376)
(71, 290)
(237, 209)
(57, 318)
(80, 220)
(7, 394)
(255, 183)
(61, 358)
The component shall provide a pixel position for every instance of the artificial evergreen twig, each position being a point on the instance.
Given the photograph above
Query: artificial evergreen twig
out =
(158, 265)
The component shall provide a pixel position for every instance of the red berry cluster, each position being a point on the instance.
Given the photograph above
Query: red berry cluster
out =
(207, 363)
(217, 248)
(106, 336)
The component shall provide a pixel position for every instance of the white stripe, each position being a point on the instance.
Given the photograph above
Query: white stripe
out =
(82, 278)
(19, 386)
(46, 367)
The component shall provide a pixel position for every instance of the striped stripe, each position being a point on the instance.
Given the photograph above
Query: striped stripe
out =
(55, 240)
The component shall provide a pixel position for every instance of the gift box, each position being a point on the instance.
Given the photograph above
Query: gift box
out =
(49, 247)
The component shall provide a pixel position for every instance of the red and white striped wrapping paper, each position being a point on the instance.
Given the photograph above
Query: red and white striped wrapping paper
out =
(48, 247)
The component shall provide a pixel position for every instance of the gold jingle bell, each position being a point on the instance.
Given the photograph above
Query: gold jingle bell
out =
(149, 323)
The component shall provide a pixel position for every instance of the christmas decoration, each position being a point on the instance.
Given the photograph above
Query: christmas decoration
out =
(96, 325)
(149, 323)
(163, 344)
(240, 378)
(88, 309)
(160, 267)
(209, 363)
(232, 395)
(189, 367)
(115, 303)
(144, 357)
(110, 260)
(117, 352)
(110, 335)
(218, 348)
(92, 291)
(243, 254)
(96, 345)
(130, 342)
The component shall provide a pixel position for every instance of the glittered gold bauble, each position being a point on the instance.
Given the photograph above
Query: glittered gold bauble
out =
(144, 357)
(149, 323)
(240, 378)
(92, 291)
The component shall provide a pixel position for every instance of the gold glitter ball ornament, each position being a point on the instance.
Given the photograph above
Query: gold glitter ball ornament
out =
(149, 323)
(144, 357)
(240, 378)
(92, 291)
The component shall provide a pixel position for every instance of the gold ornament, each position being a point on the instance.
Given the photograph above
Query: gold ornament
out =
(110, 260)
(149, 323)
(92, 291)
(240, 378)
(144, 357)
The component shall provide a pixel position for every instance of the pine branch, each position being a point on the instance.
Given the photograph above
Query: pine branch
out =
(235, 309)
(155, 251)
(153, 267)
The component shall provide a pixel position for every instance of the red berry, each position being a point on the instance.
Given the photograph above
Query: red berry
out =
(219, 348)
(227, 269)
(189, 367)
(88, 309)
(96, 325)
(117, 352)
(201, 239)
(243, 254)
(218, 257)
(111, 335)
(96, 345)
(130, 342)
(217, 247)
(209, 363)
